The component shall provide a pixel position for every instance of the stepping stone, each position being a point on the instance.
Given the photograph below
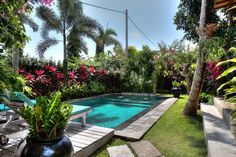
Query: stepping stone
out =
(120, 151)
(145, 149)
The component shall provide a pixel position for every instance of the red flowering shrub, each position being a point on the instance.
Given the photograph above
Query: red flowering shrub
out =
(213, 71)
(48, 78)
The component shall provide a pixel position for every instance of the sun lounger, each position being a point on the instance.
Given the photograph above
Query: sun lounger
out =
(21, 100)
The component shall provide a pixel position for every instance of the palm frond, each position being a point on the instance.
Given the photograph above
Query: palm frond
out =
(70, 10)
(29, 21)
(112, 41)
(110, 31)
(44, 45)
(89, 23)
(49, 17)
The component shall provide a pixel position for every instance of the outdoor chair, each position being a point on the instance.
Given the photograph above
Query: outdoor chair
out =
(20, 100)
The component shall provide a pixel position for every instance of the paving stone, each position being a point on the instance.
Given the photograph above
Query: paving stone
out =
(145, 149)
(120, 151)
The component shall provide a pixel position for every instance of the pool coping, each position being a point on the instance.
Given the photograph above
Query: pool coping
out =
(137, 129)
(107, 94)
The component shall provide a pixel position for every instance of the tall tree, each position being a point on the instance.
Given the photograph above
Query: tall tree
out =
(71, 24)
(187, 18)
(105, 38)
(205, 32)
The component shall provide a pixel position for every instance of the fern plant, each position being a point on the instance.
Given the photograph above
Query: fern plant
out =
(230, 86)
(48, 118)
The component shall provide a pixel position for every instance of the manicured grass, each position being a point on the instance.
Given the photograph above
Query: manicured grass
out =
(174, 134)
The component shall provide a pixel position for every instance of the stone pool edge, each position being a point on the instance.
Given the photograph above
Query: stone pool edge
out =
(138, 128)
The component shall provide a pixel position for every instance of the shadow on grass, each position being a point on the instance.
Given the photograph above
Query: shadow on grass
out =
(198, 143)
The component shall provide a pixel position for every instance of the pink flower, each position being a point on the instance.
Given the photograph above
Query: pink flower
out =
(21, 70)
(47, 67)
(59, 76)
(4, 1)
(39, 72)
(72, 74)
(21, 9)
(91, 69)
(28, 76)
(52, 69)
(46, 2)
(4, 15)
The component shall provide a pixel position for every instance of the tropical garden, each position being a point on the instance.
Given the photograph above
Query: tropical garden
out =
(201, 72)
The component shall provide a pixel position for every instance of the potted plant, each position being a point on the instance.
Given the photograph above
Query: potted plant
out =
(47, 121)
(176, 89)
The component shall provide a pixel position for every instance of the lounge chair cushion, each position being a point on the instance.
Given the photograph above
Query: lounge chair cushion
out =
(23, 98)
(3, 107)
(77, 109)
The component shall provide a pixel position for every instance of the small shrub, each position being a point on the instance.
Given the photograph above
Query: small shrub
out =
(204, 97)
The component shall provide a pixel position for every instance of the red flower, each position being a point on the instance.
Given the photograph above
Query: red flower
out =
(39, 72)
(47, 82)
(28, 76)
(59, 76)
(91, 69)
(21, 70)
(72, 74)
(52, 69)
(47, 67)
(171, 62)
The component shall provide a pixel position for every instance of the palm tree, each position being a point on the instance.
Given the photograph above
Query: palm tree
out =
(71, 23)
(105, 38)
(193, 100)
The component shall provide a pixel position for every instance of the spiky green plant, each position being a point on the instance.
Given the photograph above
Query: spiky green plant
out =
(48, 118)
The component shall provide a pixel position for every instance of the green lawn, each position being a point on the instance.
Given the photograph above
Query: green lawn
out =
(174, 134)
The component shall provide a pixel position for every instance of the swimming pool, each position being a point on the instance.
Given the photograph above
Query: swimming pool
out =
(113, 110)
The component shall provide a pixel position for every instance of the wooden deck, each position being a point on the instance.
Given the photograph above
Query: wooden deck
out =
(85, 140)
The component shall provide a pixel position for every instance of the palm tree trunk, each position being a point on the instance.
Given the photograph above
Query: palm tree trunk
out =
(193, 100)
(15, 59)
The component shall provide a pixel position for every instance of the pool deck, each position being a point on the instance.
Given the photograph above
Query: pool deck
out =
(137, 129)
(85, 140)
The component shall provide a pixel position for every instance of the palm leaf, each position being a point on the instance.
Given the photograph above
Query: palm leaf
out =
(49, 17)
(226, 72)
(233, 80)
(227, 61)
(112, 41)
(45, 44)
(29, 21)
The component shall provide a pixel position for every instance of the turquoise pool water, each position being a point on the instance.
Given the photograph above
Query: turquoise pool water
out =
(113, 110)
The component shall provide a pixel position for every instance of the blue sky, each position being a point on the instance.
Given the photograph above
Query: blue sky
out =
(154, 17)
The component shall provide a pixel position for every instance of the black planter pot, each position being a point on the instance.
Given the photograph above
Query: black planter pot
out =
(59, 147)
(176, 92)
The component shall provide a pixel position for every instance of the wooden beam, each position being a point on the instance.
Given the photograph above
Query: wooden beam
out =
(223, 3)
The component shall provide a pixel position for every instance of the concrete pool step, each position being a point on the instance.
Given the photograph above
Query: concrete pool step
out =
(220, 141)
(138, 128)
